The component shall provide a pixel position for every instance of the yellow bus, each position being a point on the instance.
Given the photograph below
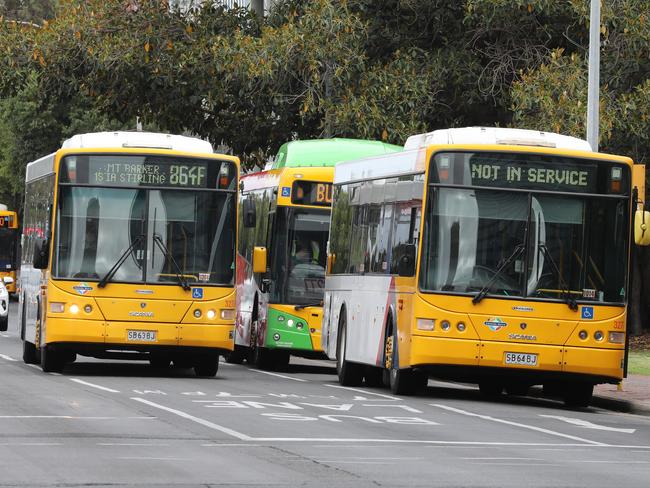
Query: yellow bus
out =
(284, 223)
(129, 252)
(494, 256)
(8, 247)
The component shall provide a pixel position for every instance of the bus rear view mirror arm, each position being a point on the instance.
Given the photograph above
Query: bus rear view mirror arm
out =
(41, 253)
(406, 263)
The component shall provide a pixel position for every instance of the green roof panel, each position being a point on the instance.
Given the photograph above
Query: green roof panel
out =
(328, 152)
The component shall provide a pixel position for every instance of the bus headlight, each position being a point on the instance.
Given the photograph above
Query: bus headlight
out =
(445, 325)
(227, 314)
(616, 337)
(598, 335)
(74, 308)
(426, 324)
(197, 313)
(211, 314)
(57, 307)
(583, 335)
(461, 326)
(88, 308)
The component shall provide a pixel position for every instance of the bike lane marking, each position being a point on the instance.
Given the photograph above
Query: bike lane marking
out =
(517, 424)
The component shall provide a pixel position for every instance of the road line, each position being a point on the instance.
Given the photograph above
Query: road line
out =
(5, 335)
(231, 445)
(69, 417)
(416, 441)
(35, 366)
(142, 458)
(8, 358)
(365, 392)
(130, 444)
(278, 375)
(516, 424)
(588, 425)
(198, 420)
(99, 387)
(31, 443)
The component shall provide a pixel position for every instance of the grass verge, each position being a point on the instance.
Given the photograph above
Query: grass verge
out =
(639, 363)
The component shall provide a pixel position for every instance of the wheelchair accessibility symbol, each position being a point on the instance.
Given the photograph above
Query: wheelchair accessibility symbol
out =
(197, 293)
(588, 313)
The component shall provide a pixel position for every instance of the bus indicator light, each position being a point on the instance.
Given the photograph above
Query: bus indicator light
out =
(426, 324)
(57, 307)
(616, 337)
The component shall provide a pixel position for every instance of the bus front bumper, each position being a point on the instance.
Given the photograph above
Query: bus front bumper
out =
(214, 336)
(603, 365)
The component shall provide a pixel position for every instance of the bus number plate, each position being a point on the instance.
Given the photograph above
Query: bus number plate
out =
(142, 335)
(520, 358)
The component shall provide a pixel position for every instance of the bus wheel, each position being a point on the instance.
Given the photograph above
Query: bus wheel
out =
(236, 356)
(4, 323)
(350, 374)
(206, 366)
(259, 357)
(578, 394)
(401, 381)
(490, 388)
(29, 353)
(280, 360)
(373, 377)
(51, 360)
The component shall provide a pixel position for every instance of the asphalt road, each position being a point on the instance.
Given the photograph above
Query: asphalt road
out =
(125, 423)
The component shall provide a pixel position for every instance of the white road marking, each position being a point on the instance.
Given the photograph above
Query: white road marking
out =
(501, 459)
(70, 417)
(99, 387)
(142, 458)
(131, 444)
(589, 425)
(365, 392)
(35, 366)
(516, 424)
(8, 358)
(31, 443)
(416, 441)
(231, 445)
(198, 420)
(5, 335)
(278, 375)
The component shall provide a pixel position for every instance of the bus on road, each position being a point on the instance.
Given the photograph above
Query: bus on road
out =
(129, 252)
(284, 223)
(8, 247)
(494, 256)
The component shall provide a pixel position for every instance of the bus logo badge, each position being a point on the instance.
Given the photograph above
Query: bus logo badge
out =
(286, 191)
(587, 313)
(197, 293)
(82, 288)
(495, 323)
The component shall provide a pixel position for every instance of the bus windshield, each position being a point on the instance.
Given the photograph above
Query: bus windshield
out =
(95, 226)
(8, 249)
(532, 244)
(299, 255)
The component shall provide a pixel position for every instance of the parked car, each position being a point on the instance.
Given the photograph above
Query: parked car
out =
(4, 303)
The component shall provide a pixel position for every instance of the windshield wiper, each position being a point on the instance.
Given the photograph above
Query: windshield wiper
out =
(484, 291)
(120, 261)
(179, 274)
(319, 303)
(570, 301)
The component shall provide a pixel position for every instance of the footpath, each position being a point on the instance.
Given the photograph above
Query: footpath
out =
(633, 395)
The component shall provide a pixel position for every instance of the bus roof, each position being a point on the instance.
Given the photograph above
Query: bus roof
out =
(328, 152)
(496, 135)
(145, 140)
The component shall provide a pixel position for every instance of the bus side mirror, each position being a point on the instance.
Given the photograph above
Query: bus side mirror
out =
(249, 213)
(406, 260)
(642, 228)
(259, 259)
(41, 253)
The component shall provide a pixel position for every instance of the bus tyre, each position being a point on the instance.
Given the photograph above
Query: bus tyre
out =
(517, 389)
(578, 394)
(206, 367)
(236, 356)
(350, 374)
(373, 377)
(4, 322)
(29, 353)
(404, 381)
(51, 360)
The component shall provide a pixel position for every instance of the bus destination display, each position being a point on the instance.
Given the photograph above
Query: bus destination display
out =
(106, 172)
(488, 171)
(311, 193)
